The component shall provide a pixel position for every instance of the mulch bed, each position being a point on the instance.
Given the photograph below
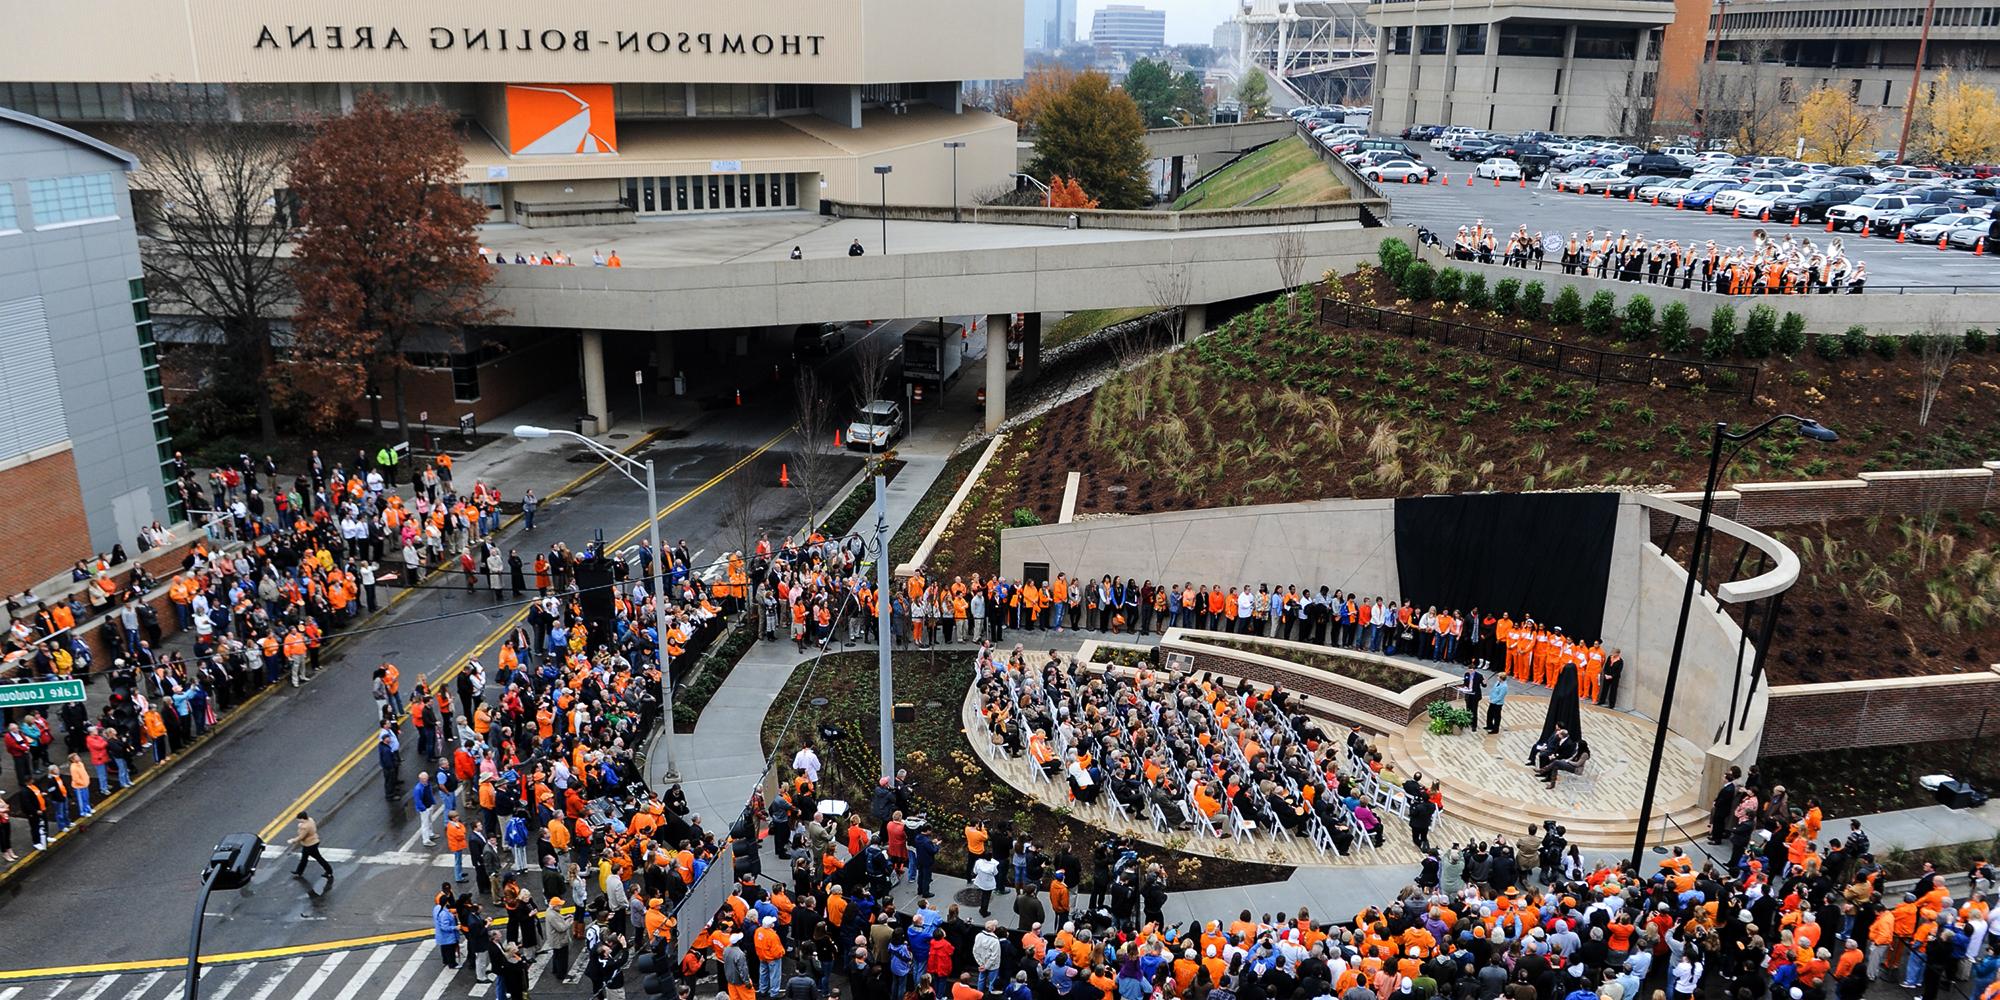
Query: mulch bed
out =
(1867, 780)
(951, 781)
(1386, 676)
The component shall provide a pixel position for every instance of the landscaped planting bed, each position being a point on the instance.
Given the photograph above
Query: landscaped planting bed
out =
(1386, 676)
(952, 783)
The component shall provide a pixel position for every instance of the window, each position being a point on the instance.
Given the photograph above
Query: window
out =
(9, 222)
(282, 102)
(651, 100)
(66, 101)
(1472, 39)
(1433, 44)
(1593, 42)
(732, 100)
(1532, 40)
(1402, 43)
(59, 201)
(794, 97)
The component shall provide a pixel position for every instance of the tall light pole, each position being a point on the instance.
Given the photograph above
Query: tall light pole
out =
(954, 145)
(1048, 196)
(1807, 428)
(1916, 77)
(882, 171)
(885, 687)
(631, 468)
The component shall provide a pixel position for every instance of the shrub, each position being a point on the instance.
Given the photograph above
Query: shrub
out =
(1473, 291)
(1025, 518)
(1396, 258)
(1883, 345)
(1533, 295)
(1674, 328)
(1417, 280)
(1829, 348)
(1568, 307)
(1791, 334)
(1449, 285)
(1975, 339)
(1507, 296)
(1636, 323)
(1601, 314)
(1721, 340)
(1853, 340)
(1760, 331)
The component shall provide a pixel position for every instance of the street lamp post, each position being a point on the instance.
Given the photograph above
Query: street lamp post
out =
(631, 469)
(954, 145)
(230, 866)
(882, 170)
(1807, 428)
(1048, 195)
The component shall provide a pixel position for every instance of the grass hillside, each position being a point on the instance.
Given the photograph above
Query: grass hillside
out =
(1288, 165)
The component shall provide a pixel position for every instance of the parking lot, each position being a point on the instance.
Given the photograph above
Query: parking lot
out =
(1445, 207)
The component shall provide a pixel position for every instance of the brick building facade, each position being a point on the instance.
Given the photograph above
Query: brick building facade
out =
(44, 531)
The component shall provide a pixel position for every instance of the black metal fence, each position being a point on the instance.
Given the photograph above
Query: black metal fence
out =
(1572, 360)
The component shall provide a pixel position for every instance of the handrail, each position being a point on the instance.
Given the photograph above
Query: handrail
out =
(1783, 573)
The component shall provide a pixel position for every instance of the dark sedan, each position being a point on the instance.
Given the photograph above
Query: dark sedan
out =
(1812, 205)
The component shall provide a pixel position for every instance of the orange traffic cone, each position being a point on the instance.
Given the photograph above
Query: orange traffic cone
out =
(1496, 181)
(1766, 217)
(1940, 241)
(1795, 219)
(1607, 191)
(1899, 237)
(1735, 213)
(1678, 206)
(1444, 179)
(1524, 180)
(1864, 229)
(1562, 188)
(1710, 209)
(1425, 179)
(1979, 247)
(1632, 194)
(739, 397)
(1829, 224)
(836, 438)
(784, 476)
(1656, 201)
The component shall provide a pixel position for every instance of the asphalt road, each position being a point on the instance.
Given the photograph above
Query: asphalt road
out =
(1444, 208)
(123, 893)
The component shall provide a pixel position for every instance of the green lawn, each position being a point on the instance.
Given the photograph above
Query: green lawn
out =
(1288, 164)
(1088, 321)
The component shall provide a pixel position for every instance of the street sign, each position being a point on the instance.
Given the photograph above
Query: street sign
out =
(40, 693)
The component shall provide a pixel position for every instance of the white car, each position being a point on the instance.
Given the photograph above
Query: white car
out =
(1715, 156)
(1669, 192)
(1932, 231)
(1498, 168)
(1590, 180)
(1866, 210)
(1397, 171)
(876, 425)
(1760, 199)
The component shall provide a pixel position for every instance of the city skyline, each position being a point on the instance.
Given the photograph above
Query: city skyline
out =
(1189, 22)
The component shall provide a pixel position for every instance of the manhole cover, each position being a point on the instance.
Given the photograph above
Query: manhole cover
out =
(1114, 489)
(818, 703)
(620, 437)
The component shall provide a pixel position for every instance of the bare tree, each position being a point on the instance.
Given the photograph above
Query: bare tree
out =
(1288, 249)
(1937, 351)
(1170, 287)
(743, 498)
(213, 225)
(871, 370)
(812, 459)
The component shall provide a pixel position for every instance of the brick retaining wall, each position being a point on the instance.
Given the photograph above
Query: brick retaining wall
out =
(1810, 717)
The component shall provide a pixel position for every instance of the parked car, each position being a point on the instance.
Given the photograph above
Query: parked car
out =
(1861, 175)
(1917, 212)
(1656, 163)
(1629, 187)
(1469, 149)
(1399, 170)
(1734, 200)
(1968, 236)
(1590, 180)
(1866, 210)
(1705, 193)
(1669, 191)
(1423, 133)
(1498, 168)
(1938, 226)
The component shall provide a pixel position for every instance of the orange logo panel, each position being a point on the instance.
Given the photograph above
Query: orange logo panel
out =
(561, 118)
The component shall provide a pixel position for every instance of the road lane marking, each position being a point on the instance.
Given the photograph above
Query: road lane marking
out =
(147, 984)
(229, 985)
(99, 988)
(271, 985)
(360, 976)
(407, 971)
(442, 981)
(321, 975)
(329, 779)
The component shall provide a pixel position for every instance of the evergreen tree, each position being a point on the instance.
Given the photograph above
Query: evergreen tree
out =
(1093, 135)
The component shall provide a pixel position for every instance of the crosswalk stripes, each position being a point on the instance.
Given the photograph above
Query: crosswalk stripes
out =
(405, 970)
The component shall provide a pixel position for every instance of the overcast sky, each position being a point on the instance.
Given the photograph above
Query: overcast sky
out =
(1187, 20)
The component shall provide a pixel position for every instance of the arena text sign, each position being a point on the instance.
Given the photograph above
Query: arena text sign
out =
(439, 38)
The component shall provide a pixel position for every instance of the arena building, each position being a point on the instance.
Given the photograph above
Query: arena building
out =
(668, 108)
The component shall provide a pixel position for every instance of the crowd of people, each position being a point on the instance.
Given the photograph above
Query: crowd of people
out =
(1524, 917)
(546, 258)
(1787, 266)
(280, 568)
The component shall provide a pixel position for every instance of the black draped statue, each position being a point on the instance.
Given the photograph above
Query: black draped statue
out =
(1564, 707)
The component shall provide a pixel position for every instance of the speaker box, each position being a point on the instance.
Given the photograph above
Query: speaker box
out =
(905, 712)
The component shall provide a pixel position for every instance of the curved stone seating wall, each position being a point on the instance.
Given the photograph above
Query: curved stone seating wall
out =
(1351, 701)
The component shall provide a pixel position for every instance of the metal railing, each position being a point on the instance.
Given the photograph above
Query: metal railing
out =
(1572, 360)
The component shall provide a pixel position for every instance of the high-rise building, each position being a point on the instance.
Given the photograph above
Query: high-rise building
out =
(1128, 29)
(84, 448)
(1048, 25)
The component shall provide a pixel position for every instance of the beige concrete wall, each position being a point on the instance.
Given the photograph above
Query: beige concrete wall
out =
(1221, 265)
(1342, 544)
(1879, 312)
(1163, 222)
(1200, 140)
(857, 41)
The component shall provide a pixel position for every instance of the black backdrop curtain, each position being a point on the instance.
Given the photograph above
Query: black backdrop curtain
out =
(1547, 555)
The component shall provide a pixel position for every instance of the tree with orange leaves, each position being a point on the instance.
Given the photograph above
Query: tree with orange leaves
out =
(1042, 85)
(386, 248)
(1068, 194)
